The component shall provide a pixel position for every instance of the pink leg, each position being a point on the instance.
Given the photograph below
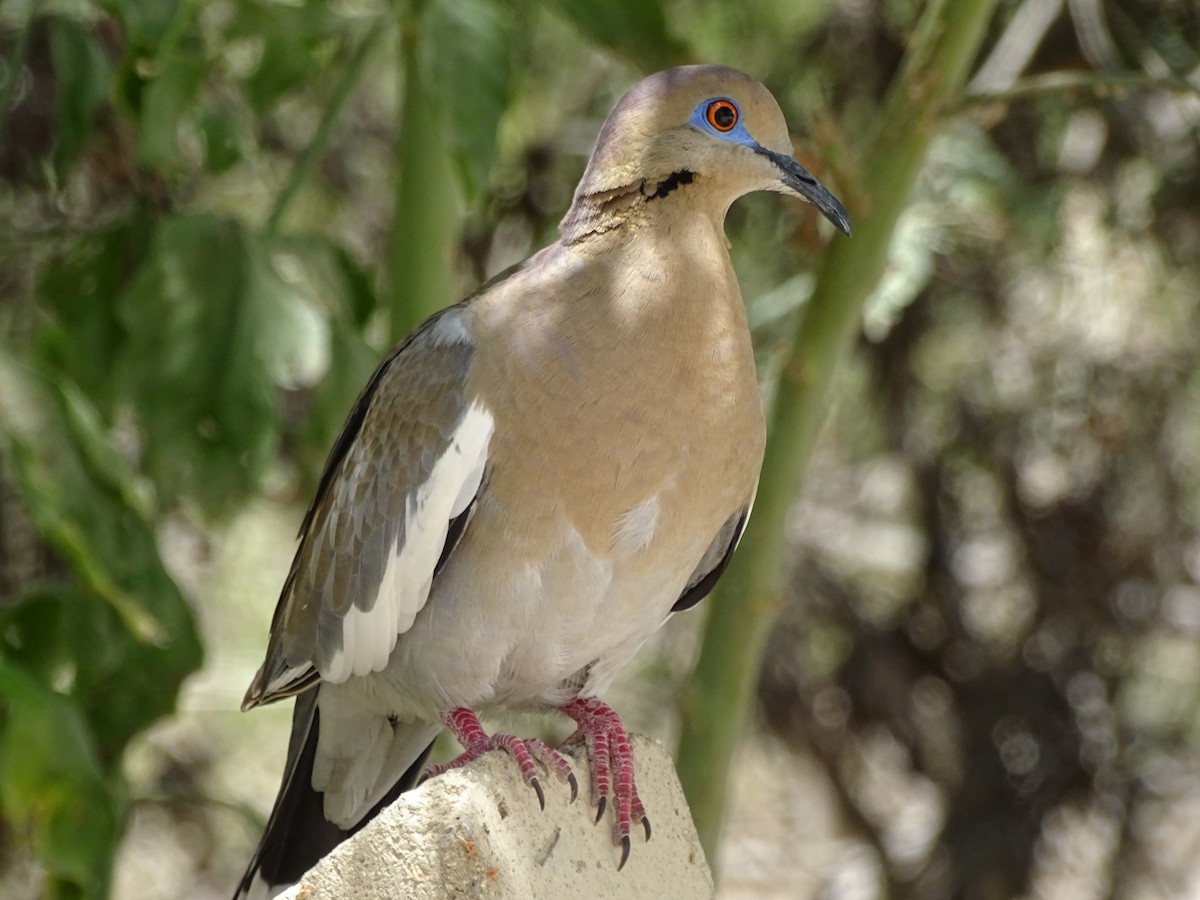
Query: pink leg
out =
(611, 753)
(476, 742)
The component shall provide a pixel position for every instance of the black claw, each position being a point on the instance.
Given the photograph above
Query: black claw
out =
(574, 786)
(624, 852)
(537, 789)
(646, 825)
(600, 808)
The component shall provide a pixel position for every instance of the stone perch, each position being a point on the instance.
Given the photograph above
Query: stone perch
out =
(478, 832)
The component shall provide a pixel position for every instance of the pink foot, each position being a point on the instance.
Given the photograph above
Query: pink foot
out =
(465, 726)
(610, 751)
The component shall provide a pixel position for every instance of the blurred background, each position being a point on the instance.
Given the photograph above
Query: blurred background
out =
(974, 669)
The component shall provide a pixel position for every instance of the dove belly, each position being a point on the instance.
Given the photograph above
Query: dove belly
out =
(530, 630)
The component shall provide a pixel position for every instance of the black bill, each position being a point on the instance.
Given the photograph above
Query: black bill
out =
(800, 180)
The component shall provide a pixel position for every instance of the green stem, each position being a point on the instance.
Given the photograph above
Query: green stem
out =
(427, 207)
(743, 609)
(307, 160)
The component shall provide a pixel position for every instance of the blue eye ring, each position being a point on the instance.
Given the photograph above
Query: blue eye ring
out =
(722, 115)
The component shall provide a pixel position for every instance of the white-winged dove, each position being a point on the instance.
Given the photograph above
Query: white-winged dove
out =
(534, 480)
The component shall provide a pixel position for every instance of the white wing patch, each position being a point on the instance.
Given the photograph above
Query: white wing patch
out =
(369, 635)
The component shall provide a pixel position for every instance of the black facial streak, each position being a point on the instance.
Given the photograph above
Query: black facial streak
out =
(683, 176)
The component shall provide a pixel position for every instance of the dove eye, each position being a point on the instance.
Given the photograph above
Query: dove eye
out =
(722, 115)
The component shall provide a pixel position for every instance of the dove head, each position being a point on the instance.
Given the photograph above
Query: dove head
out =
(711, 126)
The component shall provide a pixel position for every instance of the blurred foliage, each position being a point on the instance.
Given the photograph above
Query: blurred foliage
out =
(991, 640)
(204, 252)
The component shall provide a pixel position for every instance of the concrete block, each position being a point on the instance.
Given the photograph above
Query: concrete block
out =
(478, 832)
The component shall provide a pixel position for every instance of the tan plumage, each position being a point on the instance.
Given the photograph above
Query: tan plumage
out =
(536, 477)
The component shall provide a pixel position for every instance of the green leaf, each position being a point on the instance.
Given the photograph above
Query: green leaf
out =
(31, 633)
(53, 788)
(338, 283)
(127, 631)
(81, 75)
(467, 70)
(212, 330)
(166, 100)
(339, 286)
(200, 392)
(222, 131)
(52, 477)
(79, 289)
(124, 683)
(291, 36)
(355, 288)
(146, 22)
(104, 464)
(636, 29)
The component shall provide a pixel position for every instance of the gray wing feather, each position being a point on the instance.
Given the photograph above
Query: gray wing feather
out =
(372, 505)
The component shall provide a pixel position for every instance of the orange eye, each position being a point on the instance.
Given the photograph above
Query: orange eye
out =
(722, 115)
